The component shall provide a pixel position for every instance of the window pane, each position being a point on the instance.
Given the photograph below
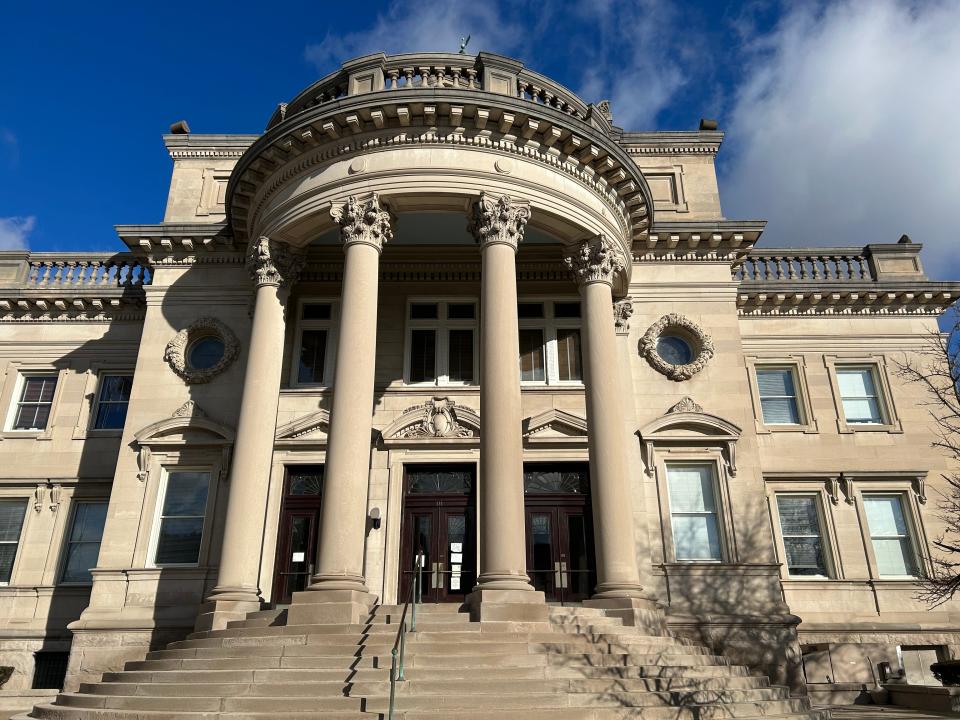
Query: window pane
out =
(461, 355)
(461, 311)
(11, 519)
(695, 537)
(88, 521)
(568, 354)
(566, 309)
(861, 410)
(893, 556)
(423, 311)
(179, 540)
(691, 489)
(81, 558)
(32, 417)
(798, 515)
(306, 480)
(530, 310)
(778, 383)
(313, 353)
(855, 382)
(800, 525)
(186, 493)
(804, 556)
(8, 553)
(540, 479)
(38, 389)
(780, 411)
(423, 355)
(430, 481)
(531, 355)
(110, 416)
(316, 311)
(885, 515)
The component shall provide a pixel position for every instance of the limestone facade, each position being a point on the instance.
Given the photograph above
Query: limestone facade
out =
(473, 199)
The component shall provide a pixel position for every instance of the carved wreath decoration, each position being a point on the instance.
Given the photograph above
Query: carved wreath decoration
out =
(176, 351)
(702, 346)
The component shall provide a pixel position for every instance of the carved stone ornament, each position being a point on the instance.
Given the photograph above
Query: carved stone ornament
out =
(594, 260)
(622, 312)
(700, 342)
(439, 420)
(365, 221)
(176, 352)
(686, 405)
(188, 410)
(273, 263)
(499, 220)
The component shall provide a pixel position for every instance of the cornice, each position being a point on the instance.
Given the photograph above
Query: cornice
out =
(675, 142)
(195, 146)
(377, 120)
(699, 241)
(846, 298)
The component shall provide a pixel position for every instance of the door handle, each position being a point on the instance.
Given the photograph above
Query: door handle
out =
(564, 577)
(435, 575)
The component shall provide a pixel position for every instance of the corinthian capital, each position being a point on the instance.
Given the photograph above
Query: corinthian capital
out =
(594, 260)
(366, 221)
(273, 263)
(499, 220)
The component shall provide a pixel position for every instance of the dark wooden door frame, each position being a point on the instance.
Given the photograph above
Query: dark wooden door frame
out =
(293, 506)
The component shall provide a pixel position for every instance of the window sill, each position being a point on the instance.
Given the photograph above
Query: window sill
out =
(806, 429)
(25, 435)
(850, 428)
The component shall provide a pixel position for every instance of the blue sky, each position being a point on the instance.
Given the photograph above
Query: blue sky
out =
(839, 115)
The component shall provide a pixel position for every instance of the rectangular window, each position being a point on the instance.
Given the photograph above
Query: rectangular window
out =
(36, 400)
(11, 523)
(423, 344)
(460, 362)
(83, 541)
(858, 391)
(568, 354)
(802, 539)
(531, 355)
(314, 334)
(441, 337)
(693, 512)
(182, 518)
(113, 397)
(890, 535)
(778, 396)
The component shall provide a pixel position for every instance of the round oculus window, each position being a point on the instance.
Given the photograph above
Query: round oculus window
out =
(205, 353)
(674, 350)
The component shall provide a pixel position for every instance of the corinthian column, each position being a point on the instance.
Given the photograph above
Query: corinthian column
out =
(502, 582)
(273, 268)
(339, 592)
(594, 264)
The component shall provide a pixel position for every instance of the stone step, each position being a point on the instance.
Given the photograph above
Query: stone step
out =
(372, 675)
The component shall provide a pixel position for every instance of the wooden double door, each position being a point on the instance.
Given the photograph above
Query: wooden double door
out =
(298, 531)
(439, 525)
(560, 553)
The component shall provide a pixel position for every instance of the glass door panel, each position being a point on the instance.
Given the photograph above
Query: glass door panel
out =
(579, 573)
(542, 551)
(297, 548)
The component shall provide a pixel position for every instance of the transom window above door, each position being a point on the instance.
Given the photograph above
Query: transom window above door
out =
(550, 341)
(441, 342)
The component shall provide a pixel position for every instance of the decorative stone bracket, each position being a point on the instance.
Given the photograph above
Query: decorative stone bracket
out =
(845, 482)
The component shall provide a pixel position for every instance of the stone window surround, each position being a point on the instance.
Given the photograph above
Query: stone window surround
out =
(39, 503)
(550, 324)
(828, 529)
(797, 364)
(848, 488)
(877, 364)
(330, 354)
(164, 462)
(13, 386)
(712, 456)
(212, 179)
(91, 392)
(442, 342)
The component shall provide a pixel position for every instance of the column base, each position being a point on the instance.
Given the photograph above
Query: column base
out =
(329, 607)
(635, 611)
(487, 604)
(227, 604)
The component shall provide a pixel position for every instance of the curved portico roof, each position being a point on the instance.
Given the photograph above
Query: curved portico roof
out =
(456, 103)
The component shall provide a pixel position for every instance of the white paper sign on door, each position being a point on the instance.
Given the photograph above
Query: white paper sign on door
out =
(456, 557)
(299, 557)
(456, 547)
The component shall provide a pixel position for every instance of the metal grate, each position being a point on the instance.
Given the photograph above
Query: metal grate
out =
(50, 668)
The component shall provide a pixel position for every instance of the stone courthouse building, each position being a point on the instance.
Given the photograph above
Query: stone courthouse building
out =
(445, 314)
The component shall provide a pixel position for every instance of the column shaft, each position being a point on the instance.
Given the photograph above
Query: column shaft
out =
(344, 510)
(502, 532)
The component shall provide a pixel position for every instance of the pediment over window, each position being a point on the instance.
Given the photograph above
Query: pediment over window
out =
(188, 425)
(310, 429)
(686, 424)
(439, 420)
(555, 427)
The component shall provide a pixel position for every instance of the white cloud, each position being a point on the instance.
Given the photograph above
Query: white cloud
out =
(843, 130)
(14, 232)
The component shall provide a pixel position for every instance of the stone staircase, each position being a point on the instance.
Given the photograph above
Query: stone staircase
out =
(583, 665)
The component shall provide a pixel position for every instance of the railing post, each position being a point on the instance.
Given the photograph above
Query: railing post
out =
(393, 682)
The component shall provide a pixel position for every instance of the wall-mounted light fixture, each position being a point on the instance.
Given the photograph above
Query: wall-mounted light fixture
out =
(375, 518)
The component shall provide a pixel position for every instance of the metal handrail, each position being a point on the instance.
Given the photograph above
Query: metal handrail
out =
(398, 653)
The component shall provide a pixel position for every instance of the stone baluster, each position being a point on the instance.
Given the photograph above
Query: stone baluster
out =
(273, 268)
(338, 591)
(503, 588)
(394, 75)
